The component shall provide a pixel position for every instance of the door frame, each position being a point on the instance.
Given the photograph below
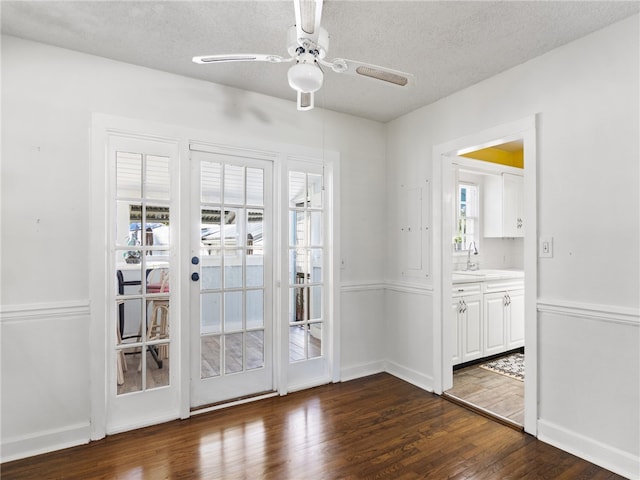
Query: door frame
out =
(102, 125)
(443, 197)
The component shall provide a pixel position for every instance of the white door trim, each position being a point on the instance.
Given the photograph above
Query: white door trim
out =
(442, 265)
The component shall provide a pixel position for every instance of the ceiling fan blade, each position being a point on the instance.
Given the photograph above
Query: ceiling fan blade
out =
(241, 57)
(308, 17)
(388, 75)
(305, 101)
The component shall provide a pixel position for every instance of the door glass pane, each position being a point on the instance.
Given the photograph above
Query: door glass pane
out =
(255, 268)
(254, 309)
(233, 184)
(210, 359)
(210, 313)
(255, 349)
(129, 380)
(298, 266)
(297, 189)
(128, 215)
(128, 175)
(210, 231)
(300, 305)
(211, 272)
(233, 353)
(155, 226)
(232, 311)
(315, 190)
(233, 269)
(316, 229)
(315, 261)
(255, 188)
(157, 362)
(157, 178)
(232, 228)
(255, 227)
(296, 343)
(314, 337)
(297, 228)
(210, 182)
(315, 302)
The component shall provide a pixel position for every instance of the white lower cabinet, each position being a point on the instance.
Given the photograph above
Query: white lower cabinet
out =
(467, 323)
(515, 320)
(486, 324)
(495, 334)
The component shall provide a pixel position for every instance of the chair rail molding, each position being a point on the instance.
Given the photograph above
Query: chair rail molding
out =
(40, 311)
(605, 313)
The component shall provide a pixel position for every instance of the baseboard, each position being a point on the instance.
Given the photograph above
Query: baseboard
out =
(413, 377)
(362, 370)
(44, 442)
(608, 457)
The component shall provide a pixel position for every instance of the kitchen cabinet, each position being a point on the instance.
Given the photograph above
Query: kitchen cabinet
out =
(504, 321)
(515, 320)
(488, 318)
(468, 324)
(504, 206)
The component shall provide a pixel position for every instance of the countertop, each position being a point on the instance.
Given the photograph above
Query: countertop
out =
(484, 275)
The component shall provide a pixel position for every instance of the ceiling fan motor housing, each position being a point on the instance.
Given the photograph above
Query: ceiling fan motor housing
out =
(318, 48)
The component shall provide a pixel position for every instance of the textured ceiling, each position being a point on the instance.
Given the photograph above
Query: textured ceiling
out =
(447, 45)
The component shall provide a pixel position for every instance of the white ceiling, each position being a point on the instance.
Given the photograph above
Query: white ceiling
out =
(447, 45)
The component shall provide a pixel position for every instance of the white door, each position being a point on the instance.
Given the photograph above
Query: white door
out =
(142, 374)
(231, 300)
(307, 317)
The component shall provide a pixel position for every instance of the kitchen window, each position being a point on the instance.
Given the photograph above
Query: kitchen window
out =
(467, 221)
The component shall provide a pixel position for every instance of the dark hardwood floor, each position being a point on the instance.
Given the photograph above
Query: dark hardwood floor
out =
(374, 427)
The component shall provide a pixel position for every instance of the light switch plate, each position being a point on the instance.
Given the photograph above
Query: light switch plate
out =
(546, 247)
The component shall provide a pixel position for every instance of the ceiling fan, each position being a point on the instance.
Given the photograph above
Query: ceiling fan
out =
(307, 44)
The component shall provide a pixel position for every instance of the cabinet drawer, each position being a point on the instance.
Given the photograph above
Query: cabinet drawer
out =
(466, 289)
(503, 285)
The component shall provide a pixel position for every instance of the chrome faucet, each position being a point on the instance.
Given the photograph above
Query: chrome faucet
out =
(472, 266)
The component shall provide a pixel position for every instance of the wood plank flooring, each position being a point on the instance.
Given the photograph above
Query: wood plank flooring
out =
(491, 391)
(374, 427)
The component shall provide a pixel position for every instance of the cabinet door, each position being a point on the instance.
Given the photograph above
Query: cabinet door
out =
(456, 314)
(515, 320)
(471, 323)
(495, 324)
(513, 205)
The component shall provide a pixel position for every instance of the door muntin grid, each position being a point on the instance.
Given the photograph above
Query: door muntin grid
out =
(141, 262)
(306, 265)
(232, 266)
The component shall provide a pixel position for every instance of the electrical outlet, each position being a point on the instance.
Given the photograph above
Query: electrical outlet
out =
(546, 247)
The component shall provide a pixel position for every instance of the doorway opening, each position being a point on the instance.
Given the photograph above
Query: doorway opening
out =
(485, 286)
(488, 282)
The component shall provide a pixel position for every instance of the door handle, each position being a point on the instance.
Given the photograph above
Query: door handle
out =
(195, 277)
(195, 260)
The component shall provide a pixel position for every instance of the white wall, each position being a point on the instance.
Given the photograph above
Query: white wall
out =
(48, 96)
(586, 96)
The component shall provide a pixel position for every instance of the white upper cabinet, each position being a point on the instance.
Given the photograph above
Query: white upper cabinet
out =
(504, 206)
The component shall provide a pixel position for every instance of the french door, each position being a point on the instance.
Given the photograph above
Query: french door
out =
(142, 311)
(232, 328)
(219, 273)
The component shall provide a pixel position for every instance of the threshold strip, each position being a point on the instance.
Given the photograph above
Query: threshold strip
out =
(231, 403)
(483, 411)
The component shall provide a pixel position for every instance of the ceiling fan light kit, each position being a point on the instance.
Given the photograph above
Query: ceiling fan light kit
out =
(305, 76)
(308, 43)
